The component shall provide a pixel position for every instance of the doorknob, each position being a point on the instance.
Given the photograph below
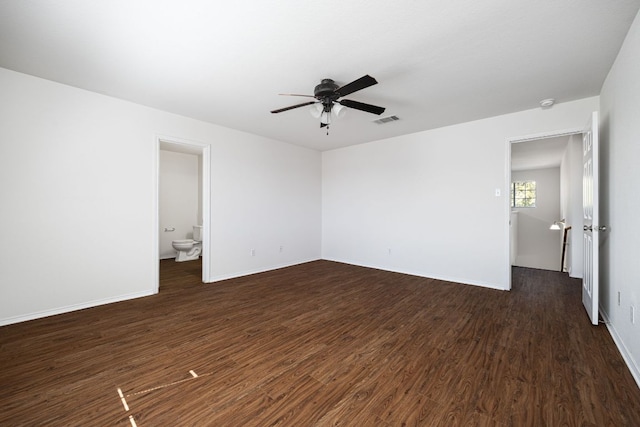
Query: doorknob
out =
(594, 227)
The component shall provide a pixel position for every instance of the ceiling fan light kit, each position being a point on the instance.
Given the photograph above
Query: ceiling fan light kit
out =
(339, 111)
(316, 110)
(328, 94)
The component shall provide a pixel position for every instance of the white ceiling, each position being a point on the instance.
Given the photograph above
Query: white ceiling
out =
(539, 153)
(438, 62)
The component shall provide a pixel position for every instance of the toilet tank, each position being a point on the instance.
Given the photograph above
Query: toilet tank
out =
(197, 233)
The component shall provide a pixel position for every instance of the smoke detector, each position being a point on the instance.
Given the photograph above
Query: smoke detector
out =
(547, 103)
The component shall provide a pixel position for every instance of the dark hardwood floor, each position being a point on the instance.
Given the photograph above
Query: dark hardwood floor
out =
(320, 344)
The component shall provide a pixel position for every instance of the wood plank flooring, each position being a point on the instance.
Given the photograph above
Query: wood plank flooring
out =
(321, 344)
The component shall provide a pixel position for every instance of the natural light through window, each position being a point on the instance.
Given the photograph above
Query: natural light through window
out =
(523, 194)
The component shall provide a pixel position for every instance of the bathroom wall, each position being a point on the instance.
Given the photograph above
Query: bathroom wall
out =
(179, 198)
(538, 246)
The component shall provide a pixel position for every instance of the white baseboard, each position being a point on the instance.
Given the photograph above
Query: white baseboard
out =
(624, 352)
(73, 307)
(419, 274)
(260, 270)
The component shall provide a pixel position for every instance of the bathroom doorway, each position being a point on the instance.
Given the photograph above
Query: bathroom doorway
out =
(182, 202)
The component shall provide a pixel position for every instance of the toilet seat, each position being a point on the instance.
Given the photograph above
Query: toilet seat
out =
(188, 249)
(184, 243)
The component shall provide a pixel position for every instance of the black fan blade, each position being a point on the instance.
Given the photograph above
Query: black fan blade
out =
(362, 106)
(296, 94)
(293, 106)
(356, 85)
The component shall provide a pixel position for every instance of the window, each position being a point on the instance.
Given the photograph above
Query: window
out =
(523, 194)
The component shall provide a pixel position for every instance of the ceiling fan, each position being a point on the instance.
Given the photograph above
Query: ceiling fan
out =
(328, 94)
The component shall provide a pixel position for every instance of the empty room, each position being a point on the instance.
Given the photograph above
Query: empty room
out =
(311, 214)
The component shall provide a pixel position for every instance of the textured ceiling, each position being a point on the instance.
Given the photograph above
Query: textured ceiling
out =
(438, 62)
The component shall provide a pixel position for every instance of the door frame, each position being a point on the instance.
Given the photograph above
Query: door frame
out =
(205, 151)
(507, 185)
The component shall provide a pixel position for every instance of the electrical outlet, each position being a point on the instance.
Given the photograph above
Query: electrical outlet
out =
(389, 251)
(281, 249)
(633, 315)
(253, 252)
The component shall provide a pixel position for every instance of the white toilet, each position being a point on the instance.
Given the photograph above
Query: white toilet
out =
(189, 249)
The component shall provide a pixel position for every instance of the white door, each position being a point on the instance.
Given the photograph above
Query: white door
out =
(591, 228)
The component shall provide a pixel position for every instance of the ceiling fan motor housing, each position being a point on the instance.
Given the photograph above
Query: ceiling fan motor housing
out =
(326, 88)
(326, 93)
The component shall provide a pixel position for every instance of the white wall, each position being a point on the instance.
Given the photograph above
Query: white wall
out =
(620, 205)
(538, 246)
(429, 197)
(79, 198)
(266, 197)
(571, 206)
(179, 207)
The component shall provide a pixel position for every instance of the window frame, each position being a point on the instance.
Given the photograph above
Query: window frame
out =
(527, 190)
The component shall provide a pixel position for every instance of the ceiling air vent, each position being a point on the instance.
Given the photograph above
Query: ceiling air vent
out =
(386, 120)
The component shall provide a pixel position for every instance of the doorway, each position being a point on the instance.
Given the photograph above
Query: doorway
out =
(549, 164)
(196, 157)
